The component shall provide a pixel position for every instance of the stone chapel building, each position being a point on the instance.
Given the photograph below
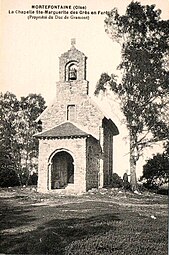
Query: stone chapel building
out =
(76, 141)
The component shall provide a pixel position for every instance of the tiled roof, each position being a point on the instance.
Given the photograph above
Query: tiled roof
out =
(66, 129)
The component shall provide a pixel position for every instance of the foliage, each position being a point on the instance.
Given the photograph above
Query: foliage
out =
(116, 182)
(9, 154)
(143, 90)
(166, 147)
(8, 178)
(33, 179)
(104, 78)
(17, 128)
(30, 108)
(8, 175)
(156, 171)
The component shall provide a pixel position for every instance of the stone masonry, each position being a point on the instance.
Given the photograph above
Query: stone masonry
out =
(74, 124)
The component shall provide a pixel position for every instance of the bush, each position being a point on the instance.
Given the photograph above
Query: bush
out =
(117, 182)
(163, 192)
(33, 179)
(8, 178)
(8, 175)
(155, 172)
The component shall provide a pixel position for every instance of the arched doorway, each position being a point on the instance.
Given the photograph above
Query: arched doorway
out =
(62, 170)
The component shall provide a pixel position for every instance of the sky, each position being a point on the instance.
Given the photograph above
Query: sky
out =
(30, 50)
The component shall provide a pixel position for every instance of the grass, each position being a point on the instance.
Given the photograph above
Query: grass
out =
(97, 223)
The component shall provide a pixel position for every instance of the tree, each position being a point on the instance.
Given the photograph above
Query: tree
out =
(10, 154)
(31, 107)
(143, 90)
(19, 148)
(156, 171)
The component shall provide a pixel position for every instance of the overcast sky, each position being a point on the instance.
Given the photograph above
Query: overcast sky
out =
(30, 48)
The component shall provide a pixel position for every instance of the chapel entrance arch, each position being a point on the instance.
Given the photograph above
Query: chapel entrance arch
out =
(62, 170)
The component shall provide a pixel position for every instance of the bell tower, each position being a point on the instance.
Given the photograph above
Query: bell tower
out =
(72, 65)
(72, 73)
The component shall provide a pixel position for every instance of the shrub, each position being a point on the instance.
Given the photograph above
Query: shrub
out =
(8, 175)
(33, 179)
(117, 182)
(155, 172)
(8, 178)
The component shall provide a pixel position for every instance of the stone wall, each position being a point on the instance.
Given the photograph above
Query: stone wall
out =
(87, 114)
(90, 163)
(74, 92)
(107, 155)
(71, 91)
(72, 55)
(93, 153)
(76, 147)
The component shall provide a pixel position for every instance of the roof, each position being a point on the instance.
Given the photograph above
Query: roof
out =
(66, 129)
(111, 125)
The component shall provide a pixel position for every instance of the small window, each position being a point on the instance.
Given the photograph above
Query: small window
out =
(71, 112)
(39, 126)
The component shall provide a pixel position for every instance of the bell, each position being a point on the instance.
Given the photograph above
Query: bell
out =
(72, 74)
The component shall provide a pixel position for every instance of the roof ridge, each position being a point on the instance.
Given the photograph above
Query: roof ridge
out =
(92, 99)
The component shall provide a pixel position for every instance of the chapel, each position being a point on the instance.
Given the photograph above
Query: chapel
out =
(76, 138)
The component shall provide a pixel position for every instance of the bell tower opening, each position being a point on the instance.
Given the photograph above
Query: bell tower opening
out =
(72, 72)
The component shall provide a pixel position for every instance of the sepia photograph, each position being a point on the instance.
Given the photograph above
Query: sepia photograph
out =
(84, 152)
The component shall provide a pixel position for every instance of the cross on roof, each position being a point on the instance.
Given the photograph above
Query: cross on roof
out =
(73, 42)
